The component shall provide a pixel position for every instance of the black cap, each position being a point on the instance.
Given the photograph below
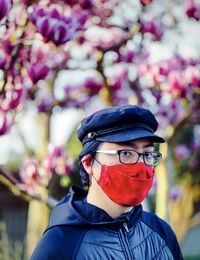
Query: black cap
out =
(119, 124)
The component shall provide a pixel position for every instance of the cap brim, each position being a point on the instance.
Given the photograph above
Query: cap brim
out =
(130, 135)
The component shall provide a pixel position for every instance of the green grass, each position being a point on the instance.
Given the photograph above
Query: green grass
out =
(192, 258)
(7, 251)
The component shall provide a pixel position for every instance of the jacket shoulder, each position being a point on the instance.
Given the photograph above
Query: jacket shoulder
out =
(157, 224)
(163, 229)
(58, 242)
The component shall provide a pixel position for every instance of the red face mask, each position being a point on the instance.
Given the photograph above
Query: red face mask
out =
(126, 185)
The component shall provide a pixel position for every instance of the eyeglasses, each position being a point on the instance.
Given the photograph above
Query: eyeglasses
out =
(131, 157)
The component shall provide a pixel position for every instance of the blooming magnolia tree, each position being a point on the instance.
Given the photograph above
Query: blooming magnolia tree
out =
(128, 50)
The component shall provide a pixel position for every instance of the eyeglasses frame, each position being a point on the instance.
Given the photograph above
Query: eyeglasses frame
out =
(118, 152)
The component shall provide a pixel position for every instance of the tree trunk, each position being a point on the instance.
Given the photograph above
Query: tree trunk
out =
(38, 217)
(38, 213)
(181, 210)
(162, 187)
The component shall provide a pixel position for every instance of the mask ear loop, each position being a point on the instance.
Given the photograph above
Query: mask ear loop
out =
(97, 161)
(100, 173)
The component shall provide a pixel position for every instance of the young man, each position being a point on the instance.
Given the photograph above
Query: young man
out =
(107, 221)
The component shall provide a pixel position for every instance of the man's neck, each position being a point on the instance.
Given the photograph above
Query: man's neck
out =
(98, 198)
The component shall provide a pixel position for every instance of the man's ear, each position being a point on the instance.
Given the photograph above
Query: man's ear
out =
(87, 163)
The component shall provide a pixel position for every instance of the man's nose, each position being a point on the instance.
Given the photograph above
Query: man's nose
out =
(141, 158)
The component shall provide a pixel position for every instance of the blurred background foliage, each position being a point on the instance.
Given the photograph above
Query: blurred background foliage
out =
(63, 60)
(186, 153)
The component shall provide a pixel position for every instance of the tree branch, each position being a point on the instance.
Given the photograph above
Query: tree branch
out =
(17, 188)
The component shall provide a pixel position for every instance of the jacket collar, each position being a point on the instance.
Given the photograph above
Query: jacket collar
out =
(74, 209)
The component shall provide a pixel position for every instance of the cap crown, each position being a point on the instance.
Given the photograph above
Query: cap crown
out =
(119, 118)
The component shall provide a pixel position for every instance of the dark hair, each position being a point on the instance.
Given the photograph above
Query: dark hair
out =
(88, 148)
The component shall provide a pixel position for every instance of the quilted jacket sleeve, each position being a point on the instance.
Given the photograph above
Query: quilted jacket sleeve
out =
(57, 243)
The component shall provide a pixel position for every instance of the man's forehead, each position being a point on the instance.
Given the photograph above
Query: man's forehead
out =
(144, 142)
(134, 143)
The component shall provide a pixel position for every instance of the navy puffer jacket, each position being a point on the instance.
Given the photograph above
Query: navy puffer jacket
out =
(81, 231)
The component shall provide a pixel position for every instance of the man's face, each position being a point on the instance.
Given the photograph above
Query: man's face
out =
(141, 145)
(93, 168)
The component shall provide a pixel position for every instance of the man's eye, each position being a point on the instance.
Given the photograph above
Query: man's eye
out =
(148, 154)
(126, 153)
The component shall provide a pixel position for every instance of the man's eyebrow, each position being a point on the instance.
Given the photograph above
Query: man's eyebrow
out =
(149, 145)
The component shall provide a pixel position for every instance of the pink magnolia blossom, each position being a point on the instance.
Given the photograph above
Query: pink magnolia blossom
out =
(27, 2)
(120, 88)
(34, 174)
(92, 86)
(103, 13)
(37, 71)
(46, 104)
(5, 6)
(30, 173)
(192, 9)
(146, 2)
(6, 122)
(80, 18)
(192, 75)
(181, 152)
(177, 84)
(169, 113)
(159, 72)
(173, 75)
(144, 68)
(6, 48)
(54, 26)
(79, 94)
(7, 45)
(58, 161)
(85, 4)
(117, 81)
(153, 28)
(130, 56)
(103, 38)
(36, 62)
(176, 193)
(12, 98)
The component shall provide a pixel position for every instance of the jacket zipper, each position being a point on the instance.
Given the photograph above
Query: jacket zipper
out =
(124, 241)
